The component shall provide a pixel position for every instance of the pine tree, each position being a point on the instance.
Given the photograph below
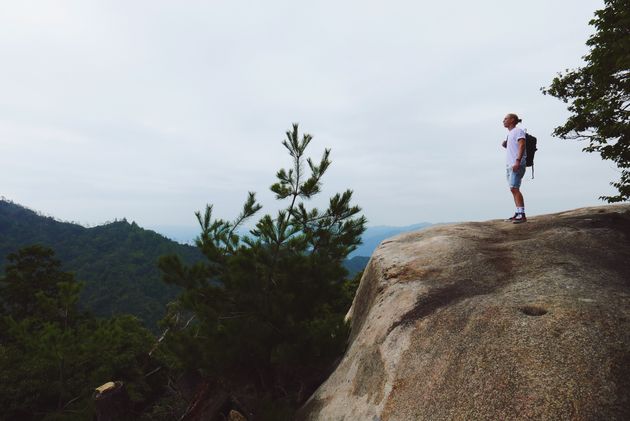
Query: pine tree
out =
(52, 355)
(264, 314)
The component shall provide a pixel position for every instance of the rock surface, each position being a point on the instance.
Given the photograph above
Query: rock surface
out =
(491, 321)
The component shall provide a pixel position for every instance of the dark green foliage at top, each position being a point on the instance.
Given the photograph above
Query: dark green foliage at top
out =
(264, 314)
(117, 261)
(599, 93)
(52, 355)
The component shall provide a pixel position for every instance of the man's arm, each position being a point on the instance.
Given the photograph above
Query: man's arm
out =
(521, 152)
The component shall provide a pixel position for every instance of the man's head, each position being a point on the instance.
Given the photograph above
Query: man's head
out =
(511, 120)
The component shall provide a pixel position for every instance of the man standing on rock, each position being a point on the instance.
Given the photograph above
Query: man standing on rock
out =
(515, 159)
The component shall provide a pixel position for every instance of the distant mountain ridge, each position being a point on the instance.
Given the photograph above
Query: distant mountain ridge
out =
(356, 261)
(371, 238)
(117, 261)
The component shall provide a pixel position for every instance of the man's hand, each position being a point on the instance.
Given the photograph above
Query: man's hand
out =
(516, 166)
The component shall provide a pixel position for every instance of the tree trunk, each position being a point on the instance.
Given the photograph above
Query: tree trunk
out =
(112, 402)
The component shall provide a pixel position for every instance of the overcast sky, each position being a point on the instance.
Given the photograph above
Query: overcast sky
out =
(150, 109)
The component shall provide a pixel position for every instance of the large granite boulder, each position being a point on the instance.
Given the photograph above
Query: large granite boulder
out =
(491, 321)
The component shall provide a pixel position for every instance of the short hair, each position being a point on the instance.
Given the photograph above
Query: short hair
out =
(515, 117)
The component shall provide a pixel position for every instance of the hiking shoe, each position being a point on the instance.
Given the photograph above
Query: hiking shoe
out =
(519, 218)
(511, 218)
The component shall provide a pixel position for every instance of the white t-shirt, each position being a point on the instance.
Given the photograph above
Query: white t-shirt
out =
(512, 145)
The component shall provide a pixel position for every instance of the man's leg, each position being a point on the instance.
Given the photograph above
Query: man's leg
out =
(514, 181)
(520, 206)
(519, 201)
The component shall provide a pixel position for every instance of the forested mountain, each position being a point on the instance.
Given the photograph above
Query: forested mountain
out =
(116, 261)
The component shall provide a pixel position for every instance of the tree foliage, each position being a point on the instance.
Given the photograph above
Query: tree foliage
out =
(264, 313)
(52, 355)
(117, 262)
(599, 93)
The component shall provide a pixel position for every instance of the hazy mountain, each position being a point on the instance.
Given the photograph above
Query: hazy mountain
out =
(355, 265)
(373, 236)
(184, 234)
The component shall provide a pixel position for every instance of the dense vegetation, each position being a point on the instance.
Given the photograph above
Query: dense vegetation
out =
(116, 261)
(599, 93)
(52, 354)
(263, 315)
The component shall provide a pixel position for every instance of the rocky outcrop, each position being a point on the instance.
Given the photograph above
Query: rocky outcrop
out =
(491, 321)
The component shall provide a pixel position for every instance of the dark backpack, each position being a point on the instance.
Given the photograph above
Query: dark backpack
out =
(530, 149)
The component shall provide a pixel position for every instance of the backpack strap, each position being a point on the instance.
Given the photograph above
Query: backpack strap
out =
(532, 171)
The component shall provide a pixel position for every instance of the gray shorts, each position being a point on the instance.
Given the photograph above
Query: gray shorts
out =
(514, 178)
